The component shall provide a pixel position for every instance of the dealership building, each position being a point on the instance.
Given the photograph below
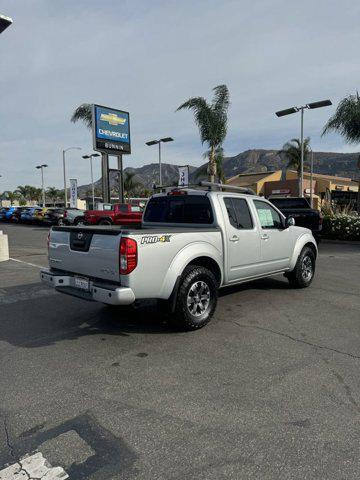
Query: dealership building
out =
(339, 189)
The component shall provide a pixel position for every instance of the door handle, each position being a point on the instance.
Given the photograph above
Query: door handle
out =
(234, 238)
(265, 236)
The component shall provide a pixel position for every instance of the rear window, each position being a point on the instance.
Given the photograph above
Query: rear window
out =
(179, 209)
(290, 202)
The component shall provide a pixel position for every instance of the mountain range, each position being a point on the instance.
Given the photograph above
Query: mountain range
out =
(250, 161)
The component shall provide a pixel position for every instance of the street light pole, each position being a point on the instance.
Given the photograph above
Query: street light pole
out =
(160, 173)
(64, 171)
(289, 111)
(92, 176)
(158, 142)
(41, 167)
(311, 177)
(301, 183)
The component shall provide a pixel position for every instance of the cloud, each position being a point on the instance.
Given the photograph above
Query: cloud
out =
(148, 57)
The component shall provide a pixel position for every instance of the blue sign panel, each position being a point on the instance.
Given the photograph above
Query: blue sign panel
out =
(111, 130)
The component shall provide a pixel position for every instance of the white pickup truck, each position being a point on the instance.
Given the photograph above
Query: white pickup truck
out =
(191, 243)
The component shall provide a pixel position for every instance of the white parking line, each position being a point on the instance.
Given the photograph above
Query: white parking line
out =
(26, 263)
(33, 467)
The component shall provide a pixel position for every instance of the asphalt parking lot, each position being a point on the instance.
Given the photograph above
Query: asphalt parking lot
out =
(270, 389)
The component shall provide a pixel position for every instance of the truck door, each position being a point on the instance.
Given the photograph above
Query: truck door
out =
(242, 240)
(276, 242)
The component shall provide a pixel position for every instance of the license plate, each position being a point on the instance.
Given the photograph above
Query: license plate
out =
(82, 283)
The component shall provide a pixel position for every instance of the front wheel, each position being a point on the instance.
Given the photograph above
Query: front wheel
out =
(196, 298)
(303, 273)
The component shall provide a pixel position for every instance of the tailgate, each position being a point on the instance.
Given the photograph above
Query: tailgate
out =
(89, 252)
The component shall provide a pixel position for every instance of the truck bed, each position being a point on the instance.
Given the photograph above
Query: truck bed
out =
(136, 230)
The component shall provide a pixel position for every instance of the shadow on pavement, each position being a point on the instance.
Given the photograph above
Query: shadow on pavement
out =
(37, 321)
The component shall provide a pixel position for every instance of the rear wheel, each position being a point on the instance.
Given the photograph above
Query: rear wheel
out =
(196, 298)
(79, 221)
(105, 222)
(303, 273)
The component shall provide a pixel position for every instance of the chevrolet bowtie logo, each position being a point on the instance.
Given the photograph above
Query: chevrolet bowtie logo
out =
(112, 119)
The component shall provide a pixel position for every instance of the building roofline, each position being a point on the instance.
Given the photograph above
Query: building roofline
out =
(239, 175)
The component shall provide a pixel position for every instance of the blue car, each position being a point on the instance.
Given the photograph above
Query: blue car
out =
(3, 213)
(9, 213)
(28, 214)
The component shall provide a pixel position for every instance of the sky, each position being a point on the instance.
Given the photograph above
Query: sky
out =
(147, 57)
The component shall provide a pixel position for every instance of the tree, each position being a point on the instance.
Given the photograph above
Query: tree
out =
(11, 196)
(219, 156)
(84, 114)
(346, 122)
(23, 191)
(130, 184)
(211, 119)
(53, 193)
(292, 152)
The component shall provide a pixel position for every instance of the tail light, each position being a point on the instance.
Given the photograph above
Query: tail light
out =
(321, 218)
(128, 255)
(65, 214)
(48, 239)
(176, 191)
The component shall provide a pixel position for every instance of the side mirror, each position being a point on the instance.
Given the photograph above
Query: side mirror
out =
(290, 222)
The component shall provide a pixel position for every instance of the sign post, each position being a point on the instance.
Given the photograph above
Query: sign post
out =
(120, 179)
(111, 136)
(73, 193)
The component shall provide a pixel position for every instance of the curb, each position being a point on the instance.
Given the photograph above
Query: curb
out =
(340, 242)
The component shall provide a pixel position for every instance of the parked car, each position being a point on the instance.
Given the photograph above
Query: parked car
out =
(3, 213)
(15, 217)
(299, 208)
(117, 214)
(39, 213)
(53, 216)
(190, 244)
(9, 212)
(28, 215)
(72, 216)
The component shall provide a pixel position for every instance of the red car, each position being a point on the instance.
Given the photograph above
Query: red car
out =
(118, 214)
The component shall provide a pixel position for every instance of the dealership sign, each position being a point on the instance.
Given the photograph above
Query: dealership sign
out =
(111, 130)
(183, 176)
(73, 193)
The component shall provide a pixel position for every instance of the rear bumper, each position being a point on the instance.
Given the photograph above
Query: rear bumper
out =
(98, 292)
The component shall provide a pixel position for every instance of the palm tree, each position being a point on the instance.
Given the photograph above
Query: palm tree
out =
(23, 191)
(346, 122)
(12, 196)
(130, 184)
(219, 156)
(53, 193)
(211, 118)
(292, 152)
(83, 113)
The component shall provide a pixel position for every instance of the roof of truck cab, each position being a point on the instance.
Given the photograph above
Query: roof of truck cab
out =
(203, 192)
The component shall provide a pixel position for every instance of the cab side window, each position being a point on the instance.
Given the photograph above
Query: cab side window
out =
(238, 213)
(268, 216)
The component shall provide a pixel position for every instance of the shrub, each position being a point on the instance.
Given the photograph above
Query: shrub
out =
(342, 226)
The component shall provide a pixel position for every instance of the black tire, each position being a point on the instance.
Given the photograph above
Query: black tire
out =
(105, 221)
(195, 280)
(79, 221)
(61, 222)
(304, 271)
